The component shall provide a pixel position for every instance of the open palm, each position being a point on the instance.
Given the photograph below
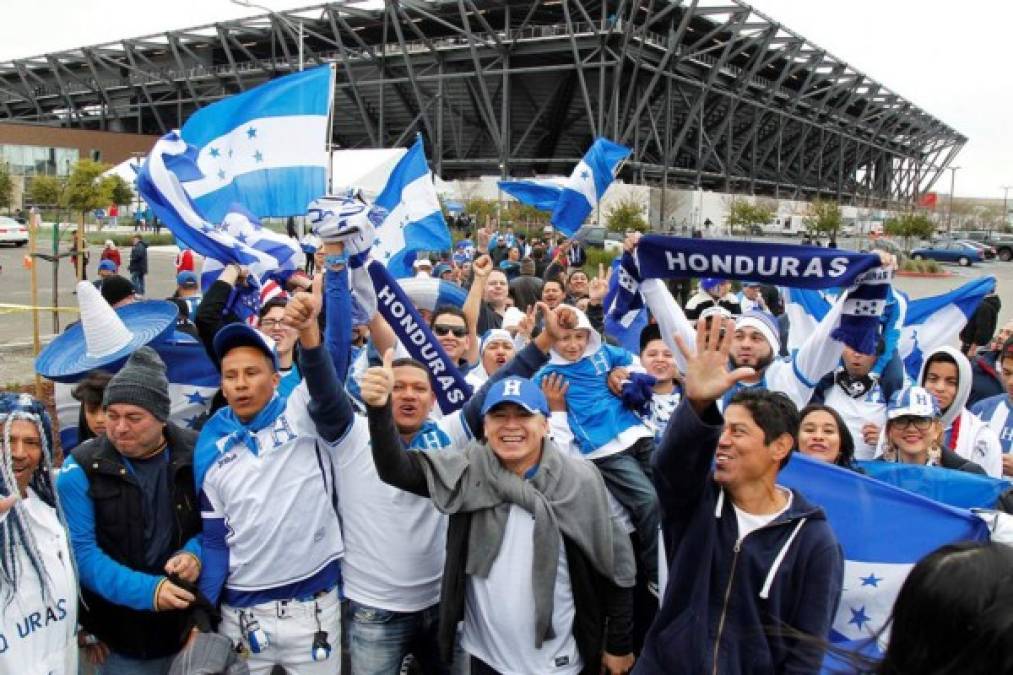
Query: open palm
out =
(707, 376)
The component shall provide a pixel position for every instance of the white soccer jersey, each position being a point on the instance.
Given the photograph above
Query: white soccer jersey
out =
(278, 503)
(857, 412)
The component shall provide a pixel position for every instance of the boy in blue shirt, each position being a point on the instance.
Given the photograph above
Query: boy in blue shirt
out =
(606, 431)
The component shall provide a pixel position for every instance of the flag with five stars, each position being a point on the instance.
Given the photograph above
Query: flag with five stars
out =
(265, 148)
(883, 530)
(586, 185)
(414, 219)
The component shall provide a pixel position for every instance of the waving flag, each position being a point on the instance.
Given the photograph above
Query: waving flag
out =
(956, 488)
(936, 321)
(586, 185)
(268, 256)
(625, 325)
(541, 194)
(883, 530)
(193, 381)
(414, 221)
(805, 309)
(265, 148)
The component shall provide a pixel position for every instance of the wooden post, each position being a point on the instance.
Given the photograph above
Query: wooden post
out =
(79, 247)
(33, 234)
(56, 276)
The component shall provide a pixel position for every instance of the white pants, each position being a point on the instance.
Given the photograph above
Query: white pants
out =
(290, 627)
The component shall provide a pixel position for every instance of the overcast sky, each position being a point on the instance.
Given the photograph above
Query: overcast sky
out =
(948, 58)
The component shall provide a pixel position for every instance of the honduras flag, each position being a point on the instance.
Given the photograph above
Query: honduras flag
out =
(586, 185)
(956, 488)
(805, 309)
(937, 321)
(267, 255)
(625, 326)
(883, 530)
(265, 148)
(414, 221)
(193, 381)
(541, 194)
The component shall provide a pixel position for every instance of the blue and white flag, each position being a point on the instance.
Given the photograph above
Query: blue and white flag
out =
(540, 194)
(414, 221)
(961, 489)
(268, 256)
(265, 148)
(625, 311)
(937, 320)
(193, 381)
(883, 530)
(805, 309)
(586, 185)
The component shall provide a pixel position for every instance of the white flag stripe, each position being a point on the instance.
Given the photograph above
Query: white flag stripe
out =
(870, 589)
(275, 143)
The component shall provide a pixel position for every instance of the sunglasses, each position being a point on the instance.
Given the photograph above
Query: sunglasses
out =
(443, 329)
(906, 421)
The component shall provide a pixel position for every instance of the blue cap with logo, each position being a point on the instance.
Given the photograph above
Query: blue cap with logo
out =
(520, 391)
(913, 402)
(244, 335)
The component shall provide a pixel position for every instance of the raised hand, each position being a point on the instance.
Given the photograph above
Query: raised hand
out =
(554, 386)
(482, 267)
(707, 377)
(378, 382)
(598, 286)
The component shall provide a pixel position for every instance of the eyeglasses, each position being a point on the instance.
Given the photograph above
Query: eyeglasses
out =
(272, 323)
(443, 329)
(907, 421)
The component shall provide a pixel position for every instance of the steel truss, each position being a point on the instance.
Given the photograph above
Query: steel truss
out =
(708, 93)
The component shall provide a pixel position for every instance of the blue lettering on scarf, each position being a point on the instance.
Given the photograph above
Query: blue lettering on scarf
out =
(37, 621)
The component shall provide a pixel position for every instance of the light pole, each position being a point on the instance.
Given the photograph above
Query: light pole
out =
(1005, 199)
(949, 210)
(298, 26)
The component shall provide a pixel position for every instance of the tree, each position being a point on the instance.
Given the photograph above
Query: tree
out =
(481, 209)
(119, 190)
(742, 214)
(6, 186)
(85, 190)
(46, 191)
(908, 225)
(823, 217)
(625, 215)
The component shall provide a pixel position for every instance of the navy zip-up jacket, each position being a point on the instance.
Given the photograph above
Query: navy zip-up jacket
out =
(727, 603)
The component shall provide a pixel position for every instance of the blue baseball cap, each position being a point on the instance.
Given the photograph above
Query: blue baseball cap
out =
(524, 393)
(244, 335)
(186, 279)
(913, 402)
(107, 265)
(708, 283)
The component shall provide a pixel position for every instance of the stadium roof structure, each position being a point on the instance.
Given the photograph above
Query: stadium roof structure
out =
(708, 93)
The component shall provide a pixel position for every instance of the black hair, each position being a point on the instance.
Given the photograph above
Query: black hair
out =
(649, 334)
(116, 288)
(846, 456)
(1006, 351)
(89, 392)
(562, 287)
(276, 301)
(410, 362)
(938, 357)
(451, 310)
(773, 412)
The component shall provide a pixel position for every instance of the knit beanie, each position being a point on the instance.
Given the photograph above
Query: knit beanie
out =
(765, 323)
(141, 382)
(116, 288)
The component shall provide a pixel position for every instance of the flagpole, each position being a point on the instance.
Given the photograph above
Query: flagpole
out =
(35, 220)
(330, 133)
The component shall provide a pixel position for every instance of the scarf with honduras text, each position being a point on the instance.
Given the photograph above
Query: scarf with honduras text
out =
(660, 257)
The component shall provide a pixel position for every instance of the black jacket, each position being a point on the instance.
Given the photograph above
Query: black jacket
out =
(119, 532)
(138, 258)
(981, 326)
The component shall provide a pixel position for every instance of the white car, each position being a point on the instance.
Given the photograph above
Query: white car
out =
(12, 232)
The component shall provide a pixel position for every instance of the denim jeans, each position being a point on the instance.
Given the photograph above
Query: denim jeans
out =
(138, 281)
(380, 639)
(627, 475)
(118, 664)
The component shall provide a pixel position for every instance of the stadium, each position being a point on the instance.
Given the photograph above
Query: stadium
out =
(710, 95)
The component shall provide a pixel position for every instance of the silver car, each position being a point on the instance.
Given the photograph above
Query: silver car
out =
(12, 232)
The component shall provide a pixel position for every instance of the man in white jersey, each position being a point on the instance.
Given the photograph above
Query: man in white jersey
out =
(536, 567)
(265, 472)
(395, 540)
(997, 411)
(858, 397)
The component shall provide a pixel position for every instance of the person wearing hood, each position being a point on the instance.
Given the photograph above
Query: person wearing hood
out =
(712, 292)
(946, 374)
(978, 330)
(914, 433)
(608, 432)
(657, 360)
(751, 564)
(495, 351)
(38, 583)
(986, 372)
(995, 411)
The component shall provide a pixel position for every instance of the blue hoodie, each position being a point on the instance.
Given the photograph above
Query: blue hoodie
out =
(726, 600)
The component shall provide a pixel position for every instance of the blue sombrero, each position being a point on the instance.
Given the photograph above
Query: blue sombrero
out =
(104, 337)
(430, 293)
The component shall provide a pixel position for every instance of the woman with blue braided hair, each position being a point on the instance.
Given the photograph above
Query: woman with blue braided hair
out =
(38, 584)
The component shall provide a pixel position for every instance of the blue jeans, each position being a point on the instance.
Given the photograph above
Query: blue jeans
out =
(379, 639)
(118, 664)
(138, 281)
(627, 475)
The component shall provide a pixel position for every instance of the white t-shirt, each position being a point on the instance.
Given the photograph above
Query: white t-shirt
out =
(395, 541)
(499, 614)
(749, 522)
(37, 636)
(857, 412)
(277, 504)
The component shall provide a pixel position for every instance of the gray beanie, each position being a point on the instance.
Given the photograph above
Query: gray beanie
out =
(141, 382)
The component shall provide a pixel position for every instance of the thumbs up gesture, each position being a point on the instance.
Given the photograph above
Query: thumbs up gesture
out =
(378, 382)
(302, 310)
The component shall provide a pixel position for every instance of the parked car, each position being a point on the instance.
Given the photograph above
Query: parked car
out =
(1001, 242)
(950, 251)
(987, 250)
(12, 232)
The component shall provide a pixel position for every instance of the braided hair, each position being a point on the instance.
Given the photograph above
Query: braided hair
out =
(15, 531)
